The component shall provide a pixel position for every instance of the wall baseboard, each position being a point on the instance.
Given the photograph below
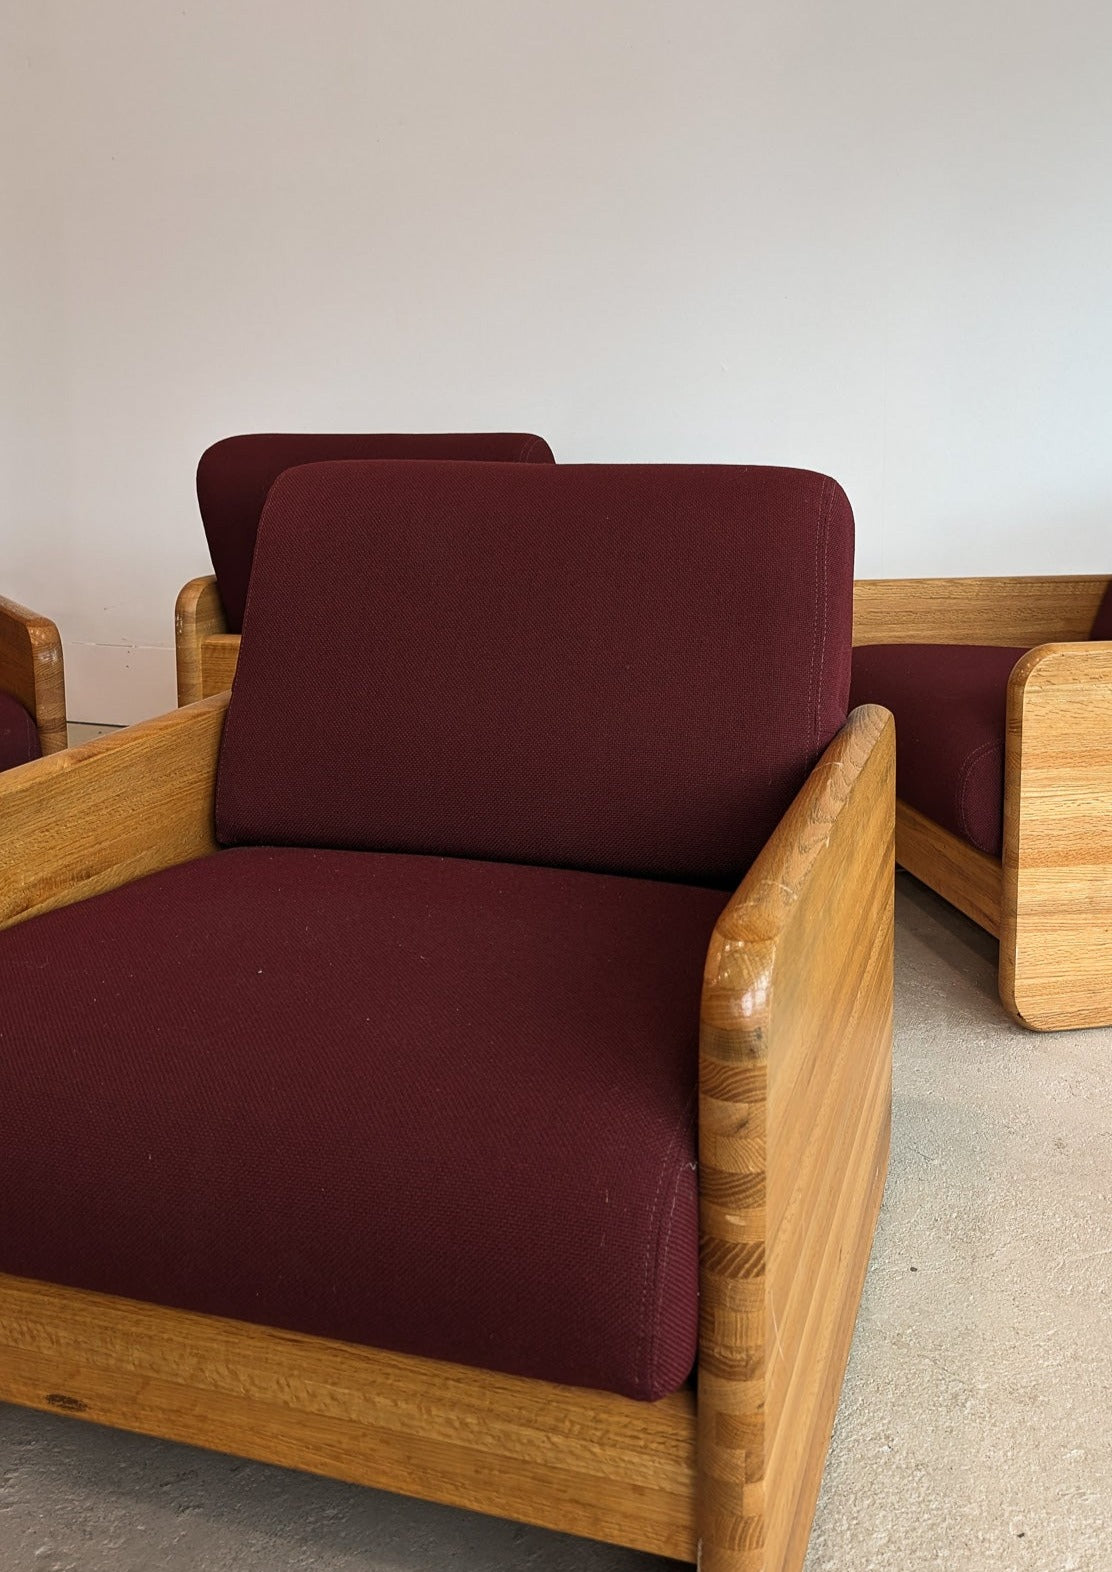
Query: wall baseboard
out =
(117, 684)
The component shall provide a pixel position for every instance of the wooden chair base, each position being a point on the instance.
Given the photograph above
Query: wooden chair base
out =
(589, 1463)
(962, 875)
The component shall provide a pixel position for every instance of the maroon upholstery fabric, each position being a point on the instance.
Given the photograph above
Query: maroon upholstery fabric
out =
(629, 669)
(19, 737)
(234, 476)
(429, 1105)
(1102, 622)
(949, 702)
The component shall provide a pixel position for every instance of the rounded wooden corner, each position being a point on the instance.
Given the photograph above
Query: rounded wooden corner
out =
(198, 614)
(49, 684)
(1042, 1021)
(1031, 661)
(190, 596)
(1006, 990)
(1045, 1014)
(1082, 658)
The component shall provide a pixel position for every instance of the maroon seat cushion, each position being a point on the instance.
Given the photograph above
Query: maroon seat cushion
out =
(949, 701)
(234, 476)
(437, 1106)
(19, 737)
(1102, 622)
(623, 668)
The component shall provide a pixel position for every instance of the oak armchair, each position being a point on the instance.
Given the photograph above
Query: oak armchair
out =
(233, 479)
(32, 686)
(435, 1116)
(1002, 693)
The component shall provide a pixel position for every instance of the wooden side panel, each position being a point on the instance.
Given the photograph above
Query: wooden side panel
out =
(98, 816)
(962, 875)
(586, 1462)
(32, 670)
(794, 1120)
(219, 654)
(1056, 935)
(1006, 611)
(198, 614)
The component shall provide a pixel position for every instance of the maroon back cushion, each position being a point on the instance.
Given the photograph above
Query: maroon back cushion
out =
(235, 475)
(626, 669)
(1102, 623)
(19, 737)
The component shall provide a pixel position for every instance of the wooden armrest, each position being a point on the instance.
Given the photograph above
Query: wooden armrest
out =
(219, 654)
(197, 614)
(795, 1094)
(1004, 611)
(1056, 932)
(106, 813)
(31, 669)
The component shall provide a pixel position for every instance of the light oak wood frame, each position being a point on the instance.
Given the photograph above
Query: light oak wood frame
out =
(200, 633)
(1048, 897)
(795, 1057)
(32, 670)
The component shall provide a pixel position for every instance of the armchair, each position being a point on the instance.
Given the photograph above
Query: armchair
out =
(1002, 693)
(233, 478)
(32, 686)
(435, 1118)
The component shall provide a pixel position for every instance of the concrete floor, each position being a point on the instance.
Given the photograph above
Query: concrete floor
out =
(974, 1427)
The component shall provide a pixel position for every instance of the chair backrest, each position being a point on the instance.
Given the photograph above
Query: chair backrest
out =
(627, 669)
(1102, 622)
(19, 737)
(234, 476)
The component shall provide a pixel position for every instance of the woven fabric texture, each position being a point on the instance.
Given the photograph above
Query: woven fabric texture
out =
(234, 476)
(625, 669)
(429, 1105)
(949, 701)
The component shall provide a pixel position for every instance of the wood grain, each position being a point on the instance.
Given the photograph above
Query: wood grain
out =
(32, 670)
(197, 614)
(219, 654)
(586, 1462)
(795, 1066)
(1005, 611)
(100, 815)
(962, 874)
(1056, 932)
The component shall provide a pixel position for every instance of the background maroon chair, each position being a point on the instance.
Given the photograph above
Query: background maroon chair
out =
(32, 686)
(233, 479)
(1002, 693)
(434, 1113)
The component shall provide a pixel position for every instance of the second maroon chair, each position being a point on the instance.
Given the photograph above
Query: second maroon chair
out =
(234, 477)
(1002, 693)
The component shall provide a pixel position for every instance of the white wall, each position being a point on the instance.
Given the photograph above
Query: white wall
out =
(869, 237)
